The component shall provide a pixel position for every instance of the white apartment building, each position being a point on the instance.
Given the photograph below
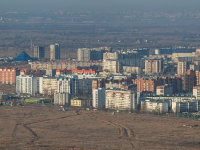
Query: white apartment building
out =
(182, 67)
(153, 106)
(98, 98)
(196, 92)
(62, 98)
(26, 84)
(121, 100)
(63, 85)
(48, 85)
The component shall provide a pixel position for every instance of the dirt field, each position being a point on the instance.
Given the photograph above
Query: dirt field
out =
(49, 129)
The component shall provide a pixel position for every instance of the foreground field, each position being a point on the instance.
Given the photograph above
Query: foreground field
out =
(47, 128)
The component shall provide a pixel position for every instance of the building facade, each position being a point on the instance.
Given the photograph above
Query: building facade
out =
(121, 100)
(153, 106)
(164, 90)
(98, 98)
(26, 85)
(39, 52)
(8, 76)
(153, 66)
(83, 54)
(48, 85)
(196, 92)
(55, 51)
(182, 66)
(62, 98)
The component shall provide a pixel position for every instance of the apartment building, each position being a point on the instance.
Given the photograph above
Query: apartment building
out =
(196, 92)
(182, 67)
(83, 54)
(26, 84)
(48, 85)
(164, 90)
(8, 76)
(111, 66)
(68, 64)
(153, 66)
(55, 51)
(64, 85)
(130, 70)
(146, 84)
(98, 98)
(154, 106)
(62, 98)
(121, 100)
(39, 52)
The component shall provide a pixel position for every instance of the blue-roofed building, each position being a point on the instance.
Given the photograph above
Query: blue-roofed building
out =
(23, 56)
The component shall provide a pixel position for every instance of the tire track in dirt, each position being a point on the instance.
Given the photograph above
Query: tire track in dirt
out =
(50, 119)
(15, 130)
(124, 131)
(36, 137)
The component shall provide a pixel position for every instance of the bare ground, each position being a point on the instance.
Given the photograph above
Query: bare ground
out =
(47, 128)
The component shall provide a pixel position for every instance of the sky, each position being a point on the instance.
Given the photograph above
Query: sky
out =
(157, 5)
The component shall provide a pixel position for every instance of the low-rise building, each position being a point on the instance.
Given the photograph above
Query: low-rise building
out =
(154, 106)
(180, 107)
(79, 103)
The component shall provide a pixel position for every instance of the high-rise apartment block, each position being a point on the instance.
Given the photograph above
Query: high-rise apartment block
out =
(111, 66)
(92, 54)
(55, 51)
(182, 66)
(62, 98)
(121, 100)
(26, 84)
(146, 84)
(196, 92)
(83, 54)
(47, 85)
(7, 76)
(153, 66)
(164, 90)
(98, 97)
(39, 52)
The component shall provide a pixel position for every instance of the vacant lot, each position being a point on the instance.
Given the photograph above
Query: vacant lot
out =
(48, 128)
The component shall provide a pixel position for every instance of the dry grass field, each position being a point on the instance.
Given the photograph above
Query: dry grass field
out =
(47, 128)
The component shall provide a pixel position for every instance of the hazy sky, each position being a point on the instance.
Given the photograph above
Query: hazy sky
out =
(40, 5)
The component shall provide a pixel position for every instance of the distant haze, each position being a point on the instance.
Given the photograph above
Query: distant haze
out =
(157, 5)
